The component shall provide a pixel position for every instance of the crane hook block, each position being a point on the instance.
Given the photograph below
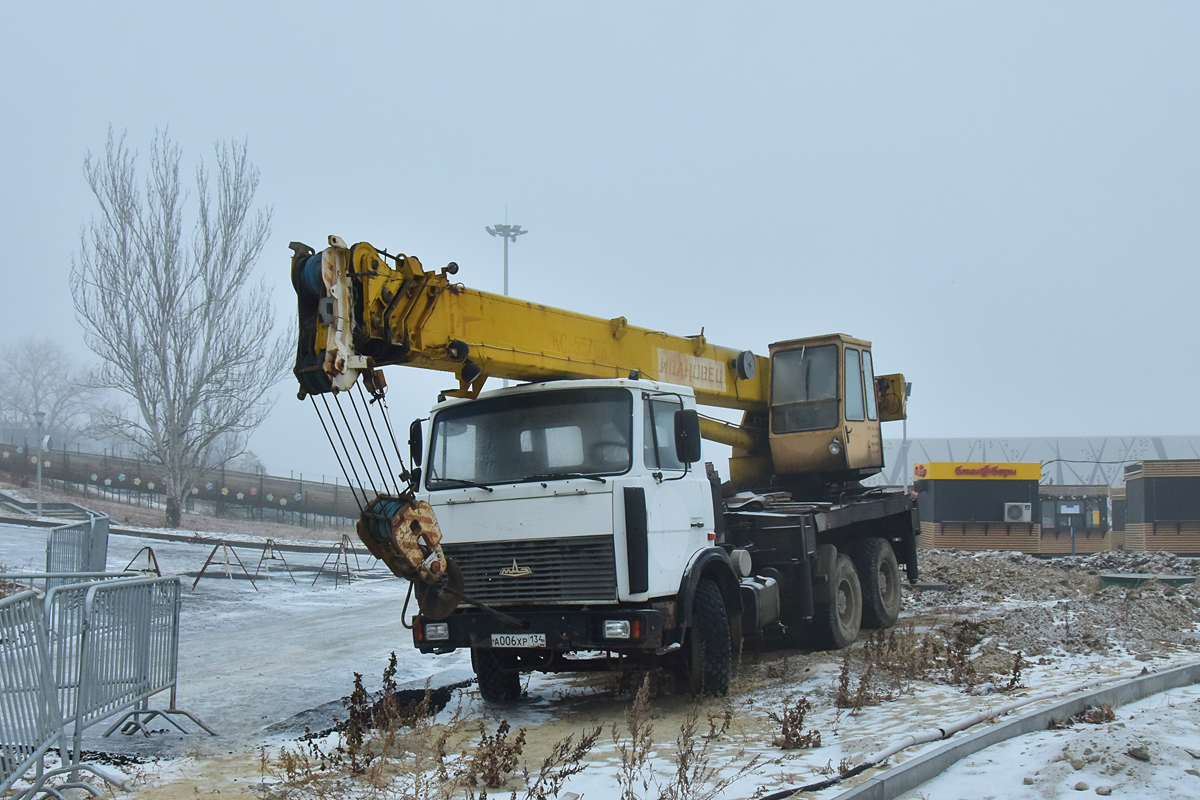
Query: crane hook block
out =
(405, 535)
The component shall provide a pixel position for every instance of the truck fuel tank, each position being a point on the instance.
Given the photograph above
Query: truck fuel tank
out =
(760, 602)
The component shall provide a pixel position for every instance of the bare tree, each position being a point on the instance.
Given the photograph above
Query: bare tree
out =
(37, 374)
(182, 331)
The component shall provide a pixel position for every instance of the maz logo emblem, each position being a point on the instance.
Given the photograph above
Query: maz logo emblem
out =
(515, 571)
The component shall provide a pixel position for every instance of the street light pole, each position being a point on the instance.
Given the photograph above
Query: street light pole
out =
(507, 233)
(904, 440)
(39, 417)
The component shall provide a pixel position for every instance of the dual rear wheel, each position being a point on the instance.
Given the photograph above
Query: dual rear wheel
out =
(866, 594)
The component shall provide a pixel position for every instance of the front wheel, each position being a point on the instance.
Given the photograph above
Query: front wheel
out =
(709, 651)
(836, 624)
(498, 681)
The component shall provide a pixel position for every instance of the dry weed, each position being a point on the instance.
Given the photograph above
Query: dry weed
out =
(696, 778)
(635, 751)
(1092, 715)
(564, 761)
(792, 735)
(495, 757)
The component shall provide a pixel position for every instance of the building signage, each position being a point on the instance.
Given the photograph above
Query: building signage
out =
(978, 471)
(699, 373)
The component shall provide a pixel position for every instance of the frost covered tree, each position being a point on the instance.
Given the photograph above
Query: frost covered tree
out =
(184, 333)
(37, 374)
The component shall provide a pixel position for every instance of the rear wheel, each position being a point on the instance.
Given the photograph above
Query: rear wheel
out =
(836, 624)
(880, 576)
(710, 651)
(499, 681)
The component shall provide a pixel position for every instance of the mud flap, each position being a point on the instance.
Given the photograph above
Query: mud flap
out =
(822, 563)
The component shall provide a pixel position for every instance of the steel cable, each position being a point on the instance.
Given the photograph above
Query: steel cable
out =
(356, 484)
(383, 476)
(357, 449)
(388, 422)
(375, 430)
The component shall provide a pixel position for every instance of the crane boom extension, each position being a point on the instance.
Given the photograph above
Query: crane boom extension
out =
(402, 314)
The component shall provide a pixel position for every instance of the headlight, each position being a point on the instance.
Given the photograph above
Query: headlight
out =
(437, 631)
(835, 447)
(617, 629)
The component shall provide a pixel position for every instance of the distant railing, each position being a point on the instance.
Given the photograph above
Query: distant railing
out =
(228, 492)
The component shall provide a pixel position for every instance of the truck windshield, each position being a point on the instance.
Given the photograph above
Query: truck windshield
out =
(536, 436)
(804, 389)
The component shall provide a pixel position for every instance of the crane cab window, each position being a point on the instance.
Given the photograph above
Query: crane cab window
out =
(855, 401)
(869, 383)
(804, 389)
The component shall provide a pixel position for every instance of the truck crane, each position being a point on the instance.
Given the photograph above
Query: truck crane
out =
(562, 524)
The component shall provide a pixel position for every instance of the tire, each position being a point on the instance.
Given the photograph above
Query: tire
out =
(879, 573)
(836, 624)
(709, 651)
(498, 682)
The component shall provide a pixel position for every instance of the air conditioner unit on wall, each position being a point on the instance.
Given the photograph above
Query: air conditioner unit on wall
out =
(1018, 512)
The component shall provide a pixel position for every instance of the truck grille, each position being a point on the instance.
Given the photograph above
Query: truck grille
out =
(570, 571)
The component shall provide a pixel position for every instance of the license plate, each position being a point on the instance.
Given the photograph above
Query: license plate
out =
(518, 640)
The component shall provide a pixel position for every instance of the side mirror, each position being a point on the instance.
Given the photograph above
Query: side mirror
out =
(416, 476)
(414, 442)
(687, 435)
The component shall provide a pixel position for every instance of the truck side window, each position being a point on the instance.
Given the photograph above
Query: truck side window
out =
(869, 379)
(804, 389)
(659, 427)
(854, 386)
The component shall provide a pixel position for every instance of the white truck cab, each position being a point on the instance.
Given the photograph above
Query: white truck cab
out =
(535, 486)
(576, 506)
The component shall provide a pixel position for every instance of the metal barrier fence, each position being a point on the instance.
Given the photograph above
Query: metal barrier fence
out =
(78, 546)
(40, 582)
(31, 722)
(112, 646)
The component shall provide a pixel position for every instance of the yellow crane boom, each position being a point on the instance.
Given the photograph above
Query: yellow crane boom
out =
(403, 314)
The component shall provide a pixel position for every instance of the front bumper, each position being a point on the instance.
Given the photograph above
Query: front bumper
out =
(565, 631)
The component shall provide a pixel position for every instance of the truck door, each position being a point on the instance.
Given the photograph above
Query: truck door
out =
(678, 503)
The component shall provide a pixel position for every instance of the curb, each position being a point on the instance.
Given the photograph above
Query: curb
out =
(925, 767)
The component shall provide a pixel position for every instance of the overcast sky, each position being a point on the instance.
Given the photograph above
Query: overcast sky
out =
(1004, 198)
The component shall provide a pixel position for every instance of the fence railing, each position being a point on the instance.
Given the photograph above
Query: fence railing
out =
(246, 494)
(31, 720)
(41, 582)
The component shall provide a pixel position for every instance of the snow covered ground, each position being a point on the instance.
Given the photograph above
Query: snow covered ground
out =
(260, 666)
(1150, 749)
